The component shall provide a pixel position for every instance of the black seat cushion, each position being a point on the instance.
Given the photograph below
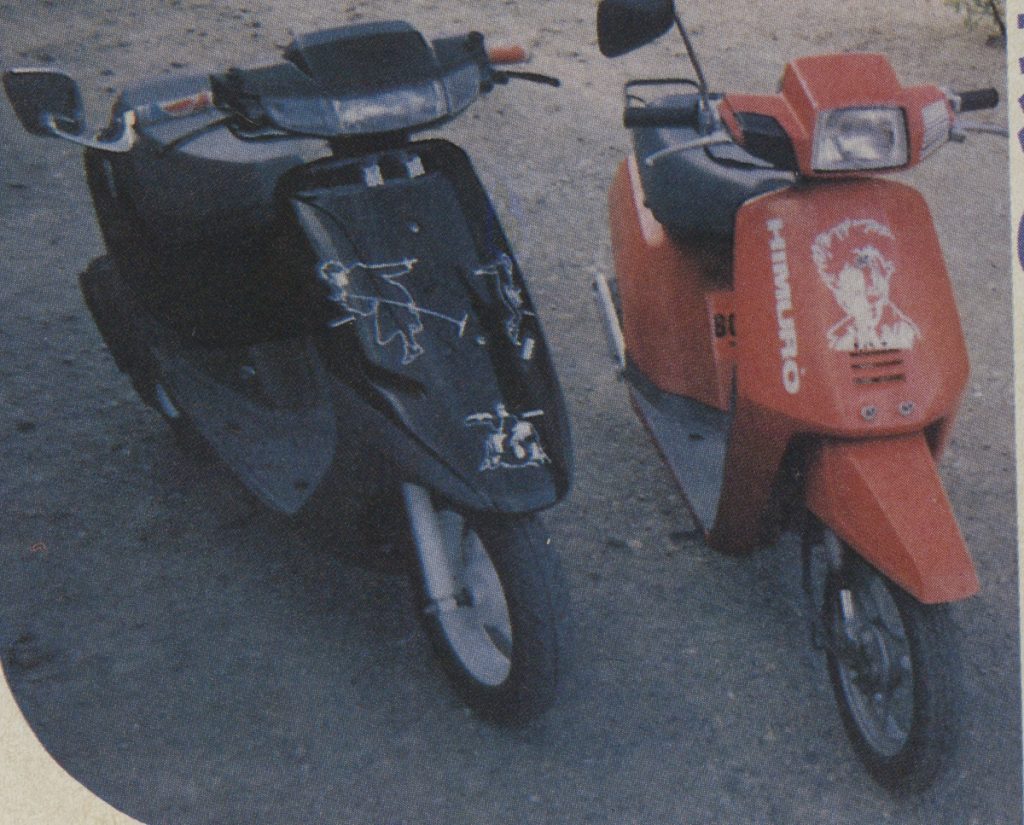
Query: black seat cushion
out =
(698, 191)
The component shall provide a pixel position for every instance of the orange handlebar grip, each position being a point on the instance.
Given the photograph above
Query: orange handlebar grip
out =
(504, 54)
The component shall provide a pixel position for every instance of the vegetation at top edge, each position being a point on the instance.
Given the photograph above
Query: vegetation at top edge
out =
(975, 11)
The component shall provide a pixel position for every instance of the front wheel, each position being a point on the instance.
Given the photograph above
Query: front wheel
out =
(501, 638)
(895, 670)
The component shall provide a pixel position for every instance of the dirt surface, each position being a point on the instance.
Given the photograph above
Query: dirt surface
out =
(192, 659)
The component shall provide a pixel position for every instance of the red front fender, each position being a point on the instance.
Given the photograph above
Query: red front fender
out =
(885, 499)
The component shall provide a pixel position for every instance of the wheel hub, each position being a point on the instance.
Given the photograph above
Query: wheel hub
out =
(874, 667)
(478, 626)
(873, 662)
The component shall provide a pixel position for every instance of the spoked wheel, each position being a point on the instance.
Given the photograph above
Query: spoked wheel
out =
(501, 636)
(895, 670)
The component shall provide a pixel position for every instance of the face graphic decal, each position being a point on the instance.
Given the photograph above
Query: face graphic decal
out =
(512, 442)
(854, 260)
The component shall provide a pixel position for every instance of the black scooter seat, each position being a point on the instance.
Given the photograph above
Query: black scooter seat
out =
(698, 191)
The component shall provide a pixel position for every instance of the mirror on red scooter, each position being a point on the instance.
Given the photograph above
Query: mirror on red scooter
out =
(625, 25)
(46, 101)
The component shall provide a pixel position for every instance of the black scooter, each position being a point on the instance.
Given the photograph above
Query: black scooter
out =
(334, 311)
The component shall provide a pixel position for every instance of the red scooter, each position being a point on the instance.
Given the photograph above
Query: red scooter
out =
(788, 331)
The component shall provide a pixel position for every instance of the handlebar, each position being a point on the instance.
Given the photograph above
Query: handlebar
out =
(977, 99)
(510, 53)
(637, 117)
(504, 76)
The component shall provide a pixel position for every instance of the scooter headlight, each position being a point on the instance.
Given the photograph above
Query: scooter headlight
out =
(849, 139)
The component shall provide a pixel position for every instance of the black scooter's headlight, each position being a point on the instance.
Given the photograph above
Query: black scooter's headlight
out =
(385, 110)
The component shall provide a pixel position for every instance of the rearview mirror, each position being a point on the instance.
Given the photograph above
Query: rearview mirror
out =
(47, 102)
(624, 25)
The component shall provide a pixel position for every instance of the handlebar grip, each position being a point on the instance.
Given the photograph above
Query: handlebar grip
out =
(659, 116)
(506, 54)
(978, 99)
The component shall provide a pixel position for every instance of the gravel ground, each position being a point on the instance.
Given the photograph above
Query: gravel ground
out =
(193, 659)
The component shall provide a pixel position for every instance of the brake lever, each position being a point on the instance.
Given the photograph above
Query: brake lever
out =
(504, 75)
(719, 136)
(960, 128)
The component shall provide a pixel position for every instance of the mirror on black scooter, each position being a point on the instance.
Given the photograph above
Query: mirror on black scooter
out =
(46, 101)
(625, 25)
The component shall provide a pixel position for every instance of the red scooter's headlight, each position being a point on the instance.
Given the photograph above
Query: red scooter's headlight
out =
(860, 138)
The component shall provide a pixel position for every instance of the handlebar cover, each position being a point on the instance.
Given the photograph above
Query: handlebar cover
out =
(978, 99)
(638, 117)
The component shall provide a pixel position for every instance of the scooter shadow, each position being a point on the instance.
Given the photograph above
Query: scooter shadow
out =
(192, 624)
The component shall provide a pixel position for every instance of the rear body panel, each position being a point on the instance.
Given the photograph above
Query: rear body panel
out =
(672, 298)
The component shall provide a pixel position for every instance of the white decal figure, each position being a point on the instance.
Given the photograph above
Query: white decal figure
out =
(373, 291)
(512, 442)
(511, 296)
(852, 259)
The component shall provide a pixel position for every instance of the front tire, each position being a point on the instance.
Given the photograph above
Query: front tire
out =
(895, 669)
(502, 643)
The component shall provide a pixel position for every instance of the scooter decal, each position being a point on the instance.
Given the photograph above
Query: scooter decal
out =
(513, 441)
(511, 296)
(153, 113)
(363, 289)
(852, 261)
(784, 308)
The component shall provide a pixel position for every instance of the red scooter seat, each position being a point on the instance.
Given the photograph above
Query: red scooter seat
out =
(698, 191)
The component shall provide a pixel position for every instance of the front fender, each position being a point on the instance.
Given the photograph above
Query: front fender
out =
(884, 498)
